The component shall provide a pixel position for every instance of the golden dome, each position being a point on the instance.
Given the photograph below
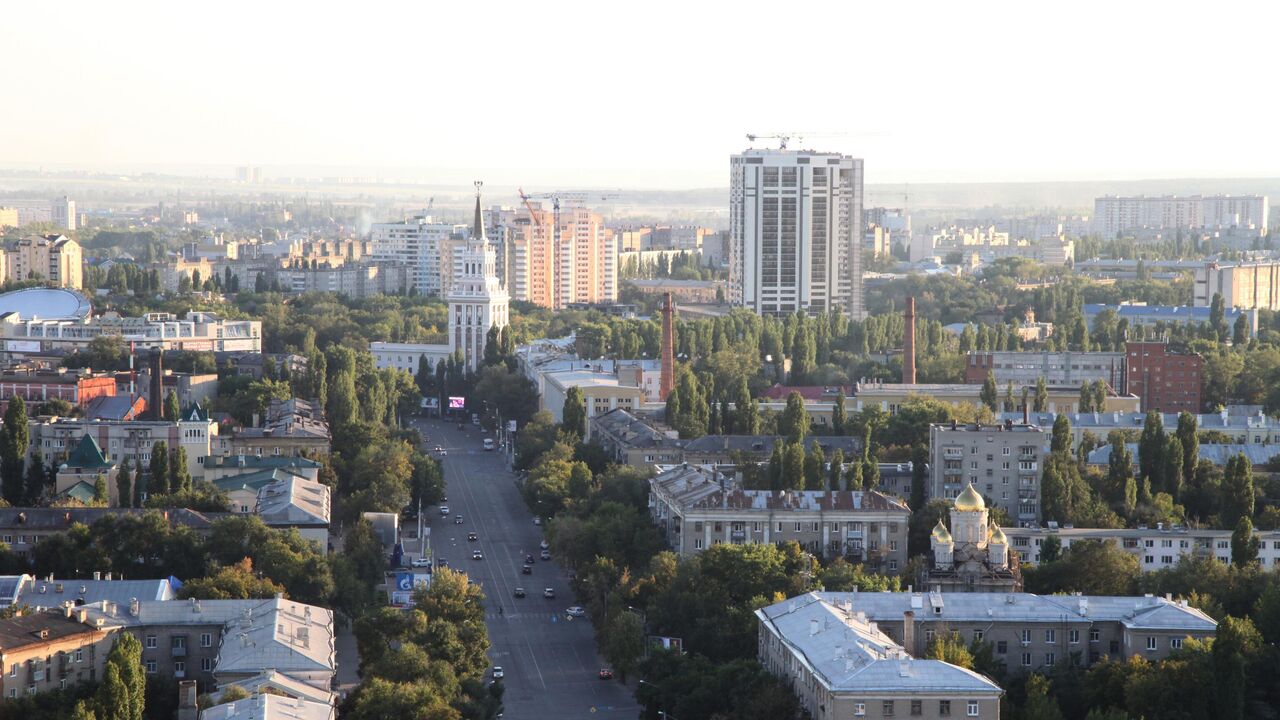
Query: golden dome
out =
(970, 500)
(940, 533)
(998, 536)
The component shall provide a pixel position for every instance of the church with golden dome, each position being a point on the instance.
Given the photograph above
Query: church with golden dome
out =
(973, 555)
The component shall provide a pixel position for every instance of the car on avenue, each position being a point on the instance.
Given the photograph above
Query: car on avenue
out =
(575, 611)
(497, 672)
(549, 593)
(546, 554)
(606, 674)
(477, 555)
(526, 570)
(519, 592)
(472, 537)
(421, 562)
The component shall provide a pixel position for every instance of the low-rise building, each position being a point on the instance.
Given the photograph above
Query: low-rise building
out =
(1157, 317)
(23, 528)
(1003, 461)
(220, 642)
(1164, 380)
(297, 504)
(129, 440)
(37, 386)
(269, 706)
(1244, 426)
(197, 330)
(630, 440)
(1213, 453)
(1031, 633)
(1065, 368)
(734, 449)
(601, 391)
(890, 396)
(842, 665)
(1156, 548)
(51, 650)
(694, 291)
(50, 593)
(226, 466)
(292, 428)
(696, 507)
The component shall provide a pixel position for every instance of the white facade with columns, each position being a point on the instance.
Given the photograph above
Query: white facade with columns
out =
(477, 301)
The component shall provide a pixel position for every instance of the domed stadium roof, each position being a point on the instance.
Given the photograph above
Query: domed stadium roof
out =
(45, 304)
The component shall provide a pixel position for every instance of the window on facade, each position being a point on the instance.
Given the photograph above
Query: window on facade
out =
(973, 708)
(944, 707)
(887, 708)
(977, 635)
(917, 707)
(79, 656)
(859, 709)
(1051, 636)
(1175, 643)
(1026, 637)
(1151, 644)
(1002, 647)
(151, 667)
(697, 543)
(1026, 659)
(180, 667)
(151, 641)
(1073, 636)
(1048, 659)
(206, 664)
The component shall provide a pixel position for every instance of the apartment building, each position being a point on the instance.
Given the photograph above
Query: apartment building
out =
(1253, 285)
(556, 264)
(225, 466)
(1002, 461)
(219, 642)
(1032, 633)
(354, 280)
(51, 650)
(1112, 215)
(696, 507)
(294, 503)
(53, 258)
(131, 440)
(795, 227)
(414, 243)
(630, 440)
(270, 706)
(842, 665)
(24, 528)
(691, 291)
(1156, 548)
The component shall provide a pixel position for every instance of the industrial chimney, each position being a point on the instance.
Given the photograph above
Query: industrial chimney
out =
(909, 343)
(156, 398)
(667, 380)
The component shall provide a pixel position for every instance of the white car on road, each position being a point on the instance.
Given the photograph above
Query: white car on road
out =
(497, 672)
(575, 611)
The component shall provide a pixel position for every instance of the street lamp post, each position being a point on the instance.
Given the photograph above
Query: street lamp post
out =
(662, 714)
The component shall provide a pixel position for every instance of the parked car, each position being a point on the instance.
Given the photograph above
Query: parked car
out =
(421, 562)
(519, 592)
(537, 521)
(544, 545)
(488, 444)
(549, 593)
(575, 611)
(546, 554)
(528, 559)
(606, 674)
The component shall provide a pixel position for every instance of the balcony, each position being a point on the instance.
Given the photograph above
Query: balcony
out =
(952, 453)
(178, 651)
(953, 471)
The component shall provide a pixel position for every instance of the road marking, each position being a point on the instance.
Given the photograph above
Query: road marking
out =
(536, 667)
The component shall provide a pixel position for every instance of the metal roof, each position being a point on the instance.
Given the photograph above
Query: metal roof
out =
(848, 653)
(45, 304)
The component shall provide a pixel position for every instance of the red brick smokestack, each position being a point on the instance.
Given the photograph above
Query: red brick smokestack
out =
(667, 380)
(909, 343)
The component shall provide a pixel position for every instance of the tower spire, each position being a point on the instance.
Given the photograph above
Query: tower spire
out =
(477, 226)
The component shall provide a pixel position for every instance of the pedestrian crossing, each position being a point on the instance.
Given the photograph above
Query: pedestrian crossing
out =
(542, 616)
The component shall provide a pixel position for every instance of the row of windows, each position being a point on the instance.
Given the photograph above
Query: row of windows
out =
(917, 708)
(180, 641)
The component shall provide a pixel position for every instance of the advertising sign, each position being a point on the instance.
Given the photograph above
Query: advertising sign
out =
(404, 582)
(457, 403)
(511, 426)
(22, 345)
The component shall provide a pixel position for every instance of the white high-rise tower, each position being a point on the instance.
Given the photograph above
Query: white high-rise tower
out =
(795, 232)
(477, 300)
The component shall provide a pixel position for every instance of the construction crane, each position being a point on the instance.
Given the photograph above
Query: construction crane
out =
(573, 198)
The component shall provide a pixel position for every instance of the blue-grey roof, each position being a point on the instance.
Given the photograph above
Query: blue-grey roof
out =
(1117, 420)
(1169, 313)
(1216, 454)
(45, 304)
(1147, 612)
(847, 653)
(51, 593)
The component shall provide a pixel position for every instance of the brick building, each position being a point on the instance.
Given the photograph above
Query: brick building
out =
(1166, 381)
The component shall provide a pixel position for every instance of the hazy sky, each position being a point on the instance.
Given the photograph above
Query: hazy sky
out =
(645, 94)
